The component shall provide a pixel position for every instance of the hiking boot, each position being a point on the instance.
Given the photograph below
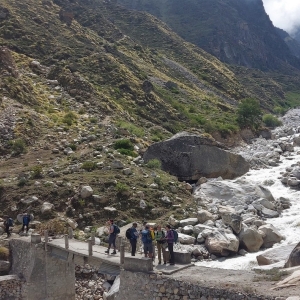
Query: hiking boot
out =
(107, 251)
(114, 252)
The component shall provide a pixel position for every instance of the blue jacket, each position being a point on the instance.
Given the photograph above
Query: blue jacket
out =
(134, 233)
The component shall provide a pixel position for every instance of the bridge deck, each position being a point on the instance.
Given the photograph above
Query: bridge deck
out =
(81, 249)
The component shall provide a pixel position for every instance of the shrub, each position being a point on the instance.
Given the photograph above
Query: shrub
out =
(69, 118)
(36, 172)
(18, 146)
(89, 166)
(128, 152)
(124, 144)
(4, 253)
(72, 146)
(22, 181)
(271, 121)
(121, 187)
(278, 110)
(154, 164)
(249, 113)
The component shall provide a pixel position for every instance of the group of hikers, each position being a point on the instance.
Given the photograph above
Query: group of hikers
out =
(150, 237)
(9, 222)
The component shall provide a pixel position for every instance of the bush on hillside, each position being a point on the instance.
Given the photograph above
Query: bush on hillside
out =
(280, 111)
(154, 164)
(271, 121)
(37, 172)
(124, 144)
(89, 166)
(18, 146)
(69, 118)
(249, 114)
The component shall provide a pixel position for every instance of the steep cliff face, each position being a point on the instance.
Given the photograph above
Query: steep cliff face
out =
(235, 31)
(292, 43)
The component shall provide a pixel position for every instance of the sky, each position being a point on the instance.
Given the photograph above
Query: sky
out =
(284, 14)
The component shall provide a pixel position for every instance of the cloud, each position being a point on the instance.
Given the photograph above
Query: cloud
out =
(284, 13)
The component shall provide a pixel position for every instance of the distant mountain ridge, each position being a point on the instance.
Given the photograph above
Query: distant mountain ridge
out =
(237, 32)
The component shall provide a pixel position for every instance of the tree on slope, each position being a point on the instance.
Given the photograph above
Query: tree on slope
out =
(249, 114)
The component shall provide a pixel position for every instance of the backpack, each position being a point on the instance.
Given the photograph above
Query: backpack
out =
(175, 234)
(152, 234)
(128, 234)
(146, 236)
(10, 222)
(116, 229)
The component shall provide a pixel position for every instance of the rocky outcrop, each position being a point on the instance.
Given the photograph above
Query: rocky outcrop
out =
(294, 258)
(189, 157)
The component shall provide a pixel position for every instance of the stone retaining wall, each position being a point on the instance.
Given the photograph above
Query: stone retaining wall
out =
(10, 287)
(45, 275)
(137, 286)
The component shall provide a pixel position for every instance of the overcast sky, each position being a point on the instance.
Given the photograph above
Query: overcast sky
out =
(284, 14)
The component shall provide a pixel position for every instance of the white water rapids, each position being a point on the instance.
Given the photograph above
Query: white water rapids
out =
(288, 224)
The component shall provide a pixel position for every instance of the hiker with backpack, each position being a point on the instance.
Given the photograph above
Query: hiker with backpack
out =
(147, 242)
(113, 231)
(8, 222)
(26, 221)
(132, 234)
(170, 238)
(161, 244)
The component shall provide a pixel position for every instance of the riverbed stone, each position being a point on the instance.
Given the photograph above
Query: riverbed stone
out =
(272, 235)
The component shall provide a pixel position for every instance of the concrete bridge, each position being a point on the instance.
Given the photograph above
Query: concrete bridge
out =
(45, 268)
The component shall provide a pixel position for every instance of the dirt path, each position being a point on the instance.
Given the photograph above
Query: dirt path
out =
(247, 282)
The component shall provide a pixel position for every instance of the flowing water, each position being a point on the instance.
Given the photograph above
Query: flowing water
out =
(288, 224)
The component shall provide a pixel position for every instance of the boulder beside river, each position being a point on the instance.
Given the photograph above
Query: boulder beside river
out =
(190, 157)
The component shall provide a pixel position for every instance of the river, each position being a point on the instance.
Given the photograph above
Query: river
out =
(288, 224)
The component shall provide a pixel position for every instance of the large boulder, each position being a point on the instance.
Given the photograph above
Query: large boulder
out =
(271, 235)
(221, 244)
(250, 239)
(190, 157)
(294, 258)
(275, 255)
(186, 239)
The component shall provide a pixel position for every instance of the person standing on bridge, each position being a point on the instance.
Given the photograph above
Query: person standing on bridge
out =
(113, 231)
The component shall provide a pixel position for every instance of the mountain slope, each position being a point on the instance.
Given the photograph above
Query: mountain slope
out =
(235, 31)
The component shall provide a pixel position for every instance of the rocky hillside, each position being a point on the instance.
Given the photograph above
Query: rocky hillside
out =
(86, 87)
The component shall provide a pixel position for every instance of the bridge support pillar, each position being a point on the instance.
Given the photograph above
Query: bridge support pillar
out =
(46, 238)
(93, 237)
(90, 243)
(70, 232)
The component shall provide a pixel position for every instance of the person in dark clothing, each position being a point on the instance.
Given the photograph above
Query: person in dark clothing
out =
(170, 241)
(133, 238)
(26, 221)
(7, 224)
